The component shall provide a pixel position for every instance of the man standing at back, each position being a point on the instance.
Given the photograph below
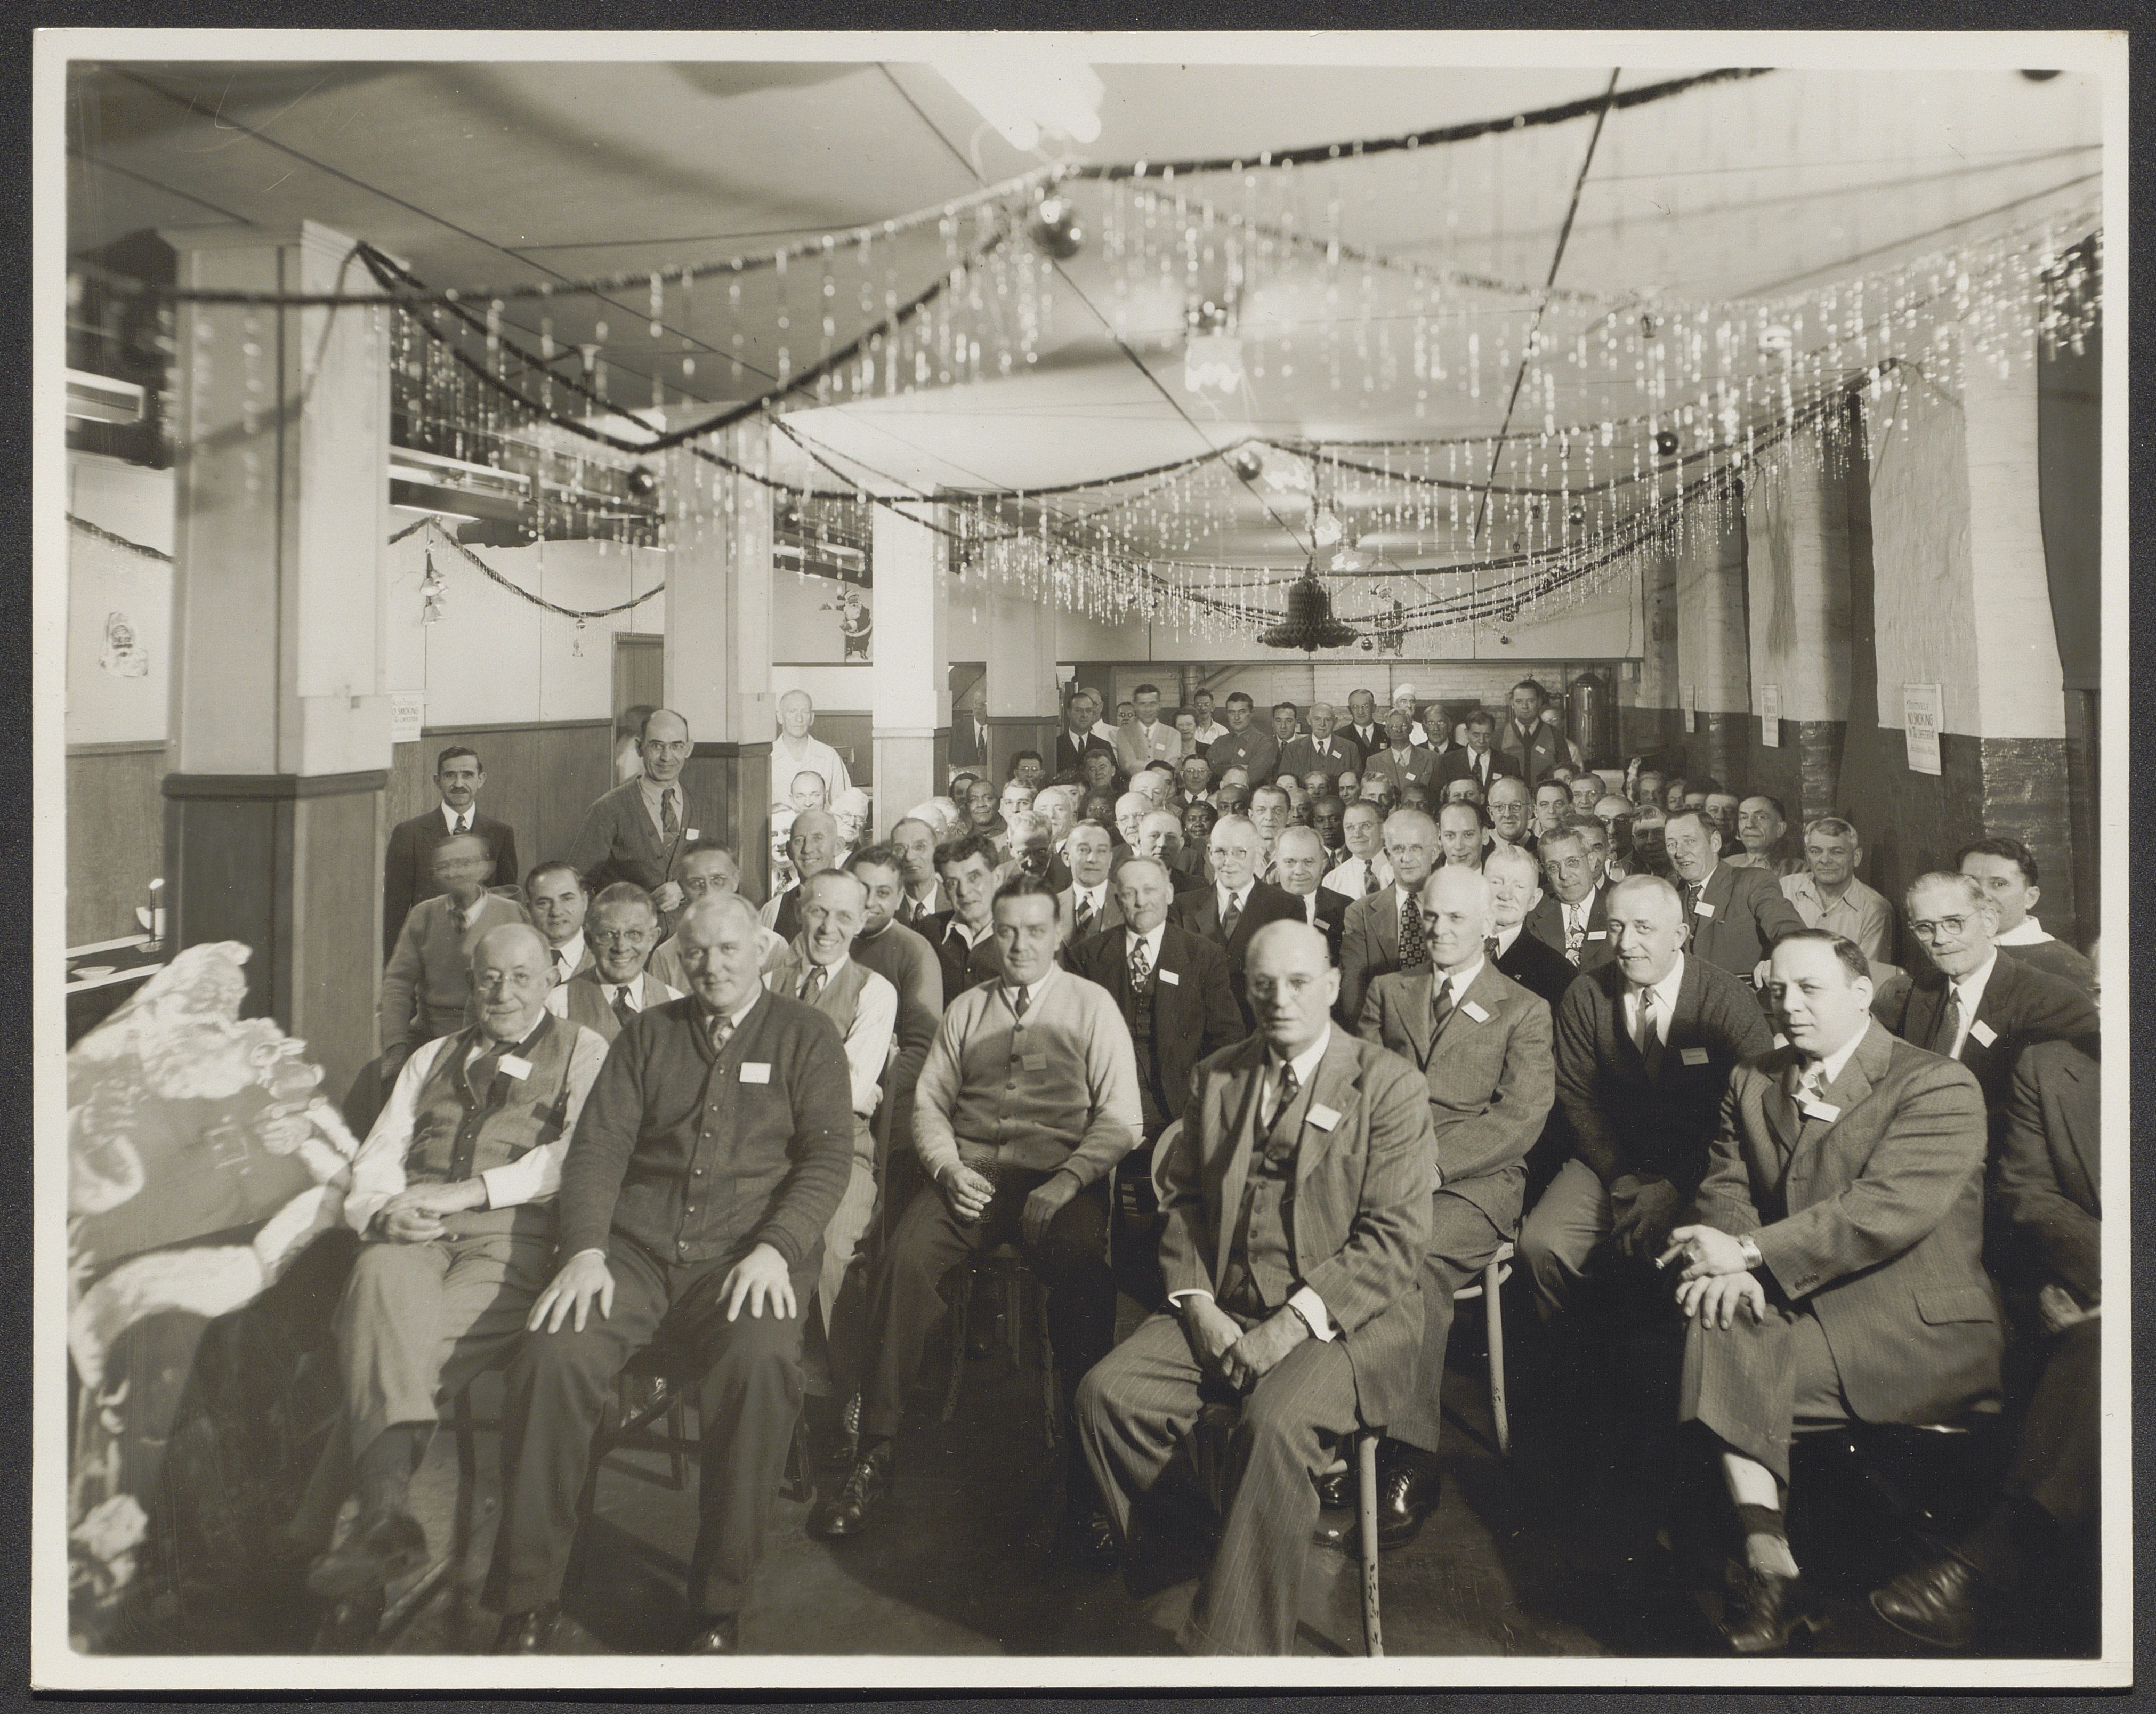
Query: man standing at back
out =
(1364, 729)
(1151, 739)
(407, 869)
(793, 751)
(2007, 873)
(636, 832)
(1530, 746)
(1257, 753)
(1320, 750)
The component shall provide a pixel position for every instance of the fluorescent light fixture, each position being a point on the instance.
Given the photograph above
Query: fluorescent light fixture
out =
(1027, 90)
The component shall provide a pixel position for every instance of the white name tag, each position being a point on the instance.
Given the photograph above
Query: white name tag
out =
(1702, 909)
(1822, 1110)
(515, 1067)
(758, 1072)
(1473, 1008)
(1692, 1056)
(1598, 934)
(695, 833)
(1322, 1116)
(1170, 978)
(1983, 1032)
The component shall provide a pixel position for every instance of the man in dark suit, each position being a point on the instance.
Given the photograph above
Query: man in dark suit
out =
(1364, 730)
(1314, 1320)
(1077, 739)
(1735, 913)
(1573, 917)
(1299, 861)
(1320, 750)
(1483, 1045)
(2048, 1225)
(2007, 873)
(1384, 929)
(1645, 1047)
(1973, 1004)
(964, 935)
(1088, 904)
(709, 1158)
(636, 832)
(1515, 895)
(1834, 1271)
(1237, 905)
(1401, 762)
(408, 867)
(1477, 759)
(1160, 837)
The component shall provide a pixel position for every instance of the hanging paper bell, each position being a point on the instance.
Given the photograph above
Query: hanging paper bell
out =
(1309, 624)
(1055, 229)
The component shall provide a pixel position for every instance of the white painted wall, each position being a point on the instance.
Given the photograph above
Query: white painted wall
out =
(103, 707)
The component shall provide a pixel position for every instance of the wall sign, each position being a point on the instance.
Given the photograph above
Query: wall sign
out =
(408, 714)
(1923, 715)
(1770, 716)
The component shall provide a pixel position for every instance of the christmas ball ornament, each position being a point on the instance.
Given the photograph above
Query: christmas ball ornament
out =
(1246, 464)
(1055, 229)
(1665, 441)
(641, 483)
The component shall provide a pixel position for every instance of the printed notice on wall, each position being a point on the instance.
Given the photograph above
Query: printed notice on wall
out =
(1770, 716)
(1923, 713)
(408, 713)
(1691, 708)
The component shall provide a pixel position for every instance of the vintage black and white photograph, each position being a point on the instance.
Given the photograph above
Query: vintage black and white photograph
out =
(1008, 860)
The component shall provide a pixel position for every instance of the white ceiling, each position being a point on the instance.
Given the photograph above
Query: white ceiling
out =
(514, 172)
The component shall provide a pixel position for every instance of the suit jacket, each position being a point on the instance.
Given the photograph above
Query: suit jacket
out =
(1331, 920)
(1360, 1220)
(1194, 1015)
(2055, 957)
(963, 967)
(1419, 769)
(1459, 763)
(408, 865)
(1256, 752)
(1545, 923)
(1658, 1122)
(1872, 1219)
(1739, 915)
(1338, 755)
(1110, 914)
(1369, 945)
(1070, 757)
(618, 842)
(2021, 1005)
(2047, 1211)
(1537, 967)
(1491, 1078)
(1368, 739)
(1198, 913)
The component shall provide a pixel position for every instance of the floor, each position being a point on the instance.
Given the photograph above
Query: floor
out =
(1529, 1557)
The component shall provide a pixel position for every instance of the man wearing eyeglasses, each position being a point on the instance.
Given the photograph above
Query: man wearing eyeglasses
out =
(623, 930)
(639, 831)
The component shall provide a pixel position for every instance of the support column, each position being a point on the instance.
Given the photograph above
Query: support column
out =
(718, 645)
(1652, 725)
(1711, 645)
(1797, 564)
(1021, 684)
(910, 679)
(280, 731)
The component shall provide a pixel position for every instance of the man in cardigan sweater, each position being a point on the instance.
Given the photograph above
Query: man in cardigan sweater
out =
(1645, 1047)
(638, 831)
(427, 983)
(711, 1154)
(623, 930)
(1029, 1095)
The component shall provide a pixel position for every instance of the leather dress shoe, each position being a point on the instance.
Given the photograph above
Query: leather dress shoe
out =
(1406, 1495)
(721, 1636)
(1765, 1612)
(1336, 1488)
(1935, 1602)
(531, 1632)
(383, 1545)
(849, 1511)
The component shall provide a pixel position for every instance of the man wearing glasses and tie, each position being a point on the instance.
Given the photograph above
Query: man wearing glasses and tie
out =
(623, 931)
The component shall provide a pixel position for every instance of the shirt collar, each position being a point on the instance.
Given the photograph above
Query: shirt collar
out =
(1035, 989)
(1831, 1067)
(737, 1014)
(1970, 988)
(654, 791)
(571, 952)
(1305, 1063)
(1240, 895)
(1505, 936)
(1665, 990)
(2027, 932)
(1151, 938)
(1460, 980)
(1580, 912)
(450, 821)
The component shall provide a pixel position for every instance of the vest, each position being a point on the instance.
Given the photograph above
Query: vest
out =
(1261, 1271)
(454, 1138)
(840, 1001)
(1138, 1015)
(585, 998)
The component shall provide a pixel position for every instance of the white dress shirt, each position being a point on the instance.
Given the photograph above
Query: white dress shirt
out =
(868, 1041)
(1151, 940)
(654, 795)
(1665, 1003)
(811, 755)
(1505, 936)
(470, 819)
(643, 993)
(2027, 932)
(567, 956)
(1210, 733)
(1830, 1067)
(1240, 901)
(1576, 915)
(1459, 981)
(1093, 899)
(1969, 995)
(1304, 1302)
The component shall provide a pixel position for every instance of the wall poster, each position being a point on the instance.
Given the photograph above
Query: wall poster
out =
(822, 588)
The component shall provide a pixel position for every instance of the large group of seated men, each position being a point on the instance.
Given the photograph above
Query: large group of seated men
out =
(1346, 1007)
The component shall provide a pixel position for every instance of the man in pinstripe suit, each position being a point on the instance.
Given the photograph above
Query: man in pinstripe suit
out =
(1296, 1209)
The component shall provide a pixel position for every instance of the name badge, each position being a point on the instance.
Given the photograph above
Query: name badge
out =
(1322, 1116)
(1170, 978)
(514, 1067)
(1702, 909)
(755, 1072)
(1983, 1032)
(1036, 1062)
(1598, 934)
(1474, 1009)
(1692, 1056)
(695, 833)
(1821, 1110)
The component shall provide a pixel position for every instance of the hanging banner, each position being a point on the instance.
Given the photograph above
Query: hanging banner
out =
(1770, 716)
(1924, 714)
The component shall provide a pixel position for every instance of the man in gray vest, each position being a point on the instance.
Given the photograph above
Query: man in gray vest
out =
(453, 1195)
(623, 930)
(819, 968)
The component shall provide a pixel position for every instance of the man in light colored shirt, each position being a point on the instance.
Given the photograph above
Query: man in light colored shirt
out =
(2007, 872)
(451, 1192)
(707, 869)
(793, 751)
(1150, 738)
(1403, 703)
(1210, 730)
(1828, 895)
(559, 900)
(1364, 868)
(1029, 1097)
(1155, 784)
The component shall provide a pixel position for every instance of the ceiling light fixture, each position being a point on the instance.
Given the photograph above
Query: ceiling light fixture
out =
(1027, 90)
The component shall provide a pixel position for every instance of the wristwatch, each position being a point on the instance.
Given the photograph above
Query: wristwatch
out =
(1748, 1247)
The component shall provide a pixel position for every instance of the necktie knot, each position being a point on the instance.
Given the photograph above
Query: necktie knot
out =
(463, 824)
(669, 817)
(722, 1027)
(1021, 1000)
(1289, 1086)
(812, 983)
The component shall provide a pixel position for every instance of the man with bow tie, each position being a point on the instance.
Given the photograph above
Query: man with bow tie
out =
(1834, 1271)
(1482, 1043)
